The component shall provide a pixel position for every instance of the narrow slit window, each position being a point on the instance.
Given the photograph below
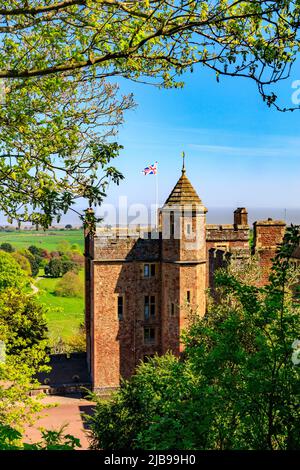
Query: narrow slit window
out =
(172, 227)
(188, 296)
(152, 271)
(146, 270)
(147, 307)
(172, 309)
(152, 306)
(120, 307)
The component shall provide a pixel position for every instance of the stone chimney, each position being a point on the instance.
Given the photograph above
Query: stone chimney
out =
(240, 216)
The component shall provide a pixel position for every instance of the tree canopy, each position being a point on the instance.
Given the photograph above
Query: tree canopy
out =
(11, 274)
(149, 38)
(58, 114)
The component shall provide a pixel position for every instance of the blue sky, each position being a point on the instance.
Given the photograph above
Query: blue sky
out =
(238, 151)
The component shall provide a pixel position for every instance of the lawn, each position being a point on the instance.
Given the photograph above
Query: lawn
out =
(65, 314)
(48, 239)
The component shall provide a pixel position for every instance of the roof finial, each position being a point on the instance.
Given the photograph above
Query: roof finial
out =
(183, 163)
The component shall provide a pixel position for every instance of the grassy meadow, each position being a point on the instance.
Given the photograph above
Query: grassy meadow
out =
(64, 314)
(48, 239)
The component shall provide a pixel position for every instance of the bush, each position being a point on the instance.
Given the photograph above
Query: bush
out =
(74, 344)
(77, 258)
(25, 319)
(34, 260)
(63, 246)
(36, 251)
(36, 263)
(75, 247)
(11, 439)
(11, 274)
(71, 285)
(23, 329)
(23, 262)
(54, 268)
(7, 247)
(69, 265)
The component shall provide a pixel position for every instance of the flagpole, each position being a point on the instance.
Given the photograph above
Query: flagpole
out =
(156, 200)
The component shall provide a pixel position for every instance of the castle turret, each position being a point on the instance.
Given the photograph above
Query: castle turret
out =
(183, 221)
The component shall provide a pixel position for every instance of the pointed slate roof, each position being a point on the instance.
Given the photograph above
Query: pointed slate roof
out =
(183, 193)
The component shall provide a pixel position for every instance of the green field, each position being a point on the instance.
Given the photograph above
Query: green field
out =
(48, 239)
(65, 314)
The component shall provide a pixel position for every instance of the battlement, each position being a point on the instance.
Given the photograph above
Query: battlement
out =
(268, 234)
(130, 231)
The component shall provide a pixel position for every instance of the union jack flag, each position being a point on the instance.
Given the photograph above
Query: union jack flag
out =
(151, 169)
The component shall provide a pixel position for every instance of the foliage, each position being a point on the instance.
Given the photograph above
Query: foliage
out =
(59, 116)
(11, 439)
(36, 251)
(11, 274)
(235, 386)
(58, 267)
(148, 39)
(25, 320)
(54, 268)
(7, 247)
(35, 262)
(68, 266)
(77, 258)
(75, 248)
(23, 262)
(116, 423)
(23, 330)
(70, 285)
(75, 343)
(62, 148)
(64, 246)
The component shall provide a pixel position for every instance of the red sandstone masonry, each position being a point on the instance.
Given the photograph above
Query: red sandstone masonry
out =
(114, 266)
(268, 235)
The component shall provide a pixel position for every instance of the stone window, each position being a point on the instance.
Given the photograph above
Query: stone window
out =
(149, 335)
(149, 270)
(149, 307)
(146, 270)
(172, 309)
(172, 224)
(188, 229)
(188, 296)
(120, 307)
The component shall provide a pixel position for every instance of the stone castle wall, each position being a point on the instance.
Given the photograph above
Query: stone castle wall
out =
(115, 267)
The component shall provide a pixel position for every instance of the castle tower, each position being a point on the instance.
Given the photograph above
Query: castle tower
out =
(183, 261)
